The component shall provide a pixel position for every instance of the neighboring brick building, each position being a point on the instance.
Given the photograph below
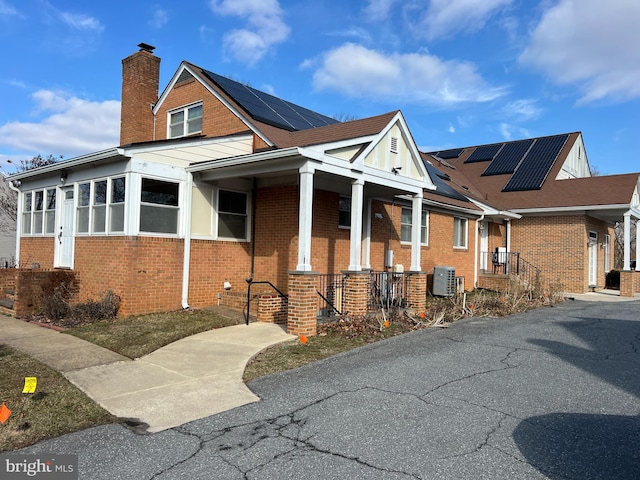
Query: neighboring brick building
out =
(216, 183)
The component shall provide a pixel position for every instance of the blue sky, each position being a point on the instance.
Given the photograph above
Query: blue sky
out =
(464, 72)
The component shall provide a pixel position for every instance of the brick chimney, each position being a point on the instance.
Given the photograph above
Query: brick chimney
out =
(140, 82)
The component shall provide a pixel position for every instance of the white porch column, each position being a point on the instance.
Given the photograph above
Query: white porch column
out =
(637, 244)
(416, 227)
(508, 237)
(305, 215)
(366, 241)
(627, 241)
(357, 203)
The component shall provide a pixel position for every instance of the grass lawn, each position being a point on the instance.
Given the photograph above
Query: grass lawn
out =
(56, 407)
(135, 337)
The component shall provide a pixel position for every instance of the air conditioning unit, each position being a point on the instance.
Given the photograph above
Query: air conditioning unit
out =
(444, 281)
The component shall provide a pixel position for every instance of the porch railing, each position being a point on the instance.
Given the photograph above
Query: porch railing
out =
(385, 289)
(509, 263)
(330, 294)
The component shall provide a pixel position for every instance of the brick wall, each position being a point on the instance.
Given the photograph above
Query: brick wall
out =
(145, 271)
(140, 81)
(217, 120)
(301, 314)
(36, 250)
(558, 246)
(385, 234)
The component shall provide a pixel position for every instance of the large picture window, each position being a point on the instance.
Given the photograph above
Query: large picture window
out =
(159, 206)
(232, 215)
(185, 121)
(460, 232)
(406, 225)
(39, 212)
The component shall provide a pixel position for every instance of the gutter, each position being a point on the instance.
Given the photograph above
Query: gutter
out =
(65, 164)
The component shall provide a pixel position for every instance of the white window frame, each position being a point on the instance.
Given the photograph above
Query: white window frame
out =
(185, 120)
(460, 226)
(246, 215)
(34, 220)
(424, 226)
(93, 206)
(175, 208)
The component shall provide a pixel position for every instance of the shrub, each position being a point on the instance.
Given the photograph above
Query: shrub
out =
(105, 308)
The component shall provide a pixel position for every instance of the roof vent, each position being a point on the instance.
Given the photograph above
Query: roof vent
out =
(145, 47)
(394, 144)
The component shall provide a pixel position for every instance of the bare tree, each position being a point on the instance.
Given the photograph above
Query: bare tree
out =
(9, 198)
(618, 249)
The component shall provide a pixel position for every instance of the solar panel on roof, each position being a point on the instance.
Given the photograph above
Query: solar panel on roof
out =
(453, 153)
(439, 179)
(270, 109)
(484, 153)
(532, 172)
(508, 158)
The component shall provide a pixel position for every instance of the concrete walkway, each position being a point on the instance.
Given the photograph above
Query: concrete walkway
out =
(187, 380)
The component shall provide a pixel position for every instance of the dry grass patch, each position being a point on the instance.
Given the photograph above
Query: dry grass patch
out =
(137, 336)
(57, 407)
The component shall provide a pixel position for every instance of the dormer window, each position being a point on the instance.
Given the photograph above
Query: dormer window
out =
(185, 121)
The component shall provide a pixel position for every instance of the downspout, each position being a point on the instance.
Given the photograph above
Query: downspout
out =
(18, 221)
(475, 260)
(187, 241)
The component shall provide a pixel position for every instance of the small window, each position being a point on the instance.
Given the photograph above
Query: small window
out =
(159, 206)
(50, 212)
(26, 213)
(406, 224)
(185, 121)
(38, 215)
(116, 207)
(460, 232)
(606, 245)
(84, 198)
(99, 206)
(232, 215)
(344, 212)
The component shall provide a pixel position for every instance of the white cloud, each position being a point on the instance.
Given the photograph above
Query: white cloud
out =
(444, 18)
(523, 109)
(451, 128)
(79, 21)
(7, 10)
(266, 27)
(378, 9)
(590, 44)
(159, 18)
(73, 126)
(507, 131)
(353, 32)
(401, 78)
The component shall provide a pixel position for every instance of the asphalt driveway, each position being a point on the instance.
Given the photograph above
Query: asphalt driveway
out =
(553, 393)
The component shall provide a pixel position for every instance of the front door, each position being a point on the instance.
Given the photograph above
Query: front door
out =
(64, 243)
(484, 246)
(593, 259)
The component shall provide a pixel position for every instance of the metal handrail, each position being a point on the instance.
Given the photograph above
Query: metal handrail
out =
(250, 282)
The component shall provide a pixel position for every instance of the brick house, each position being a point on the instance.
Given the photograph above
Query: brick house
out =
(215, 183)
(218, 187)
(543, 207)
